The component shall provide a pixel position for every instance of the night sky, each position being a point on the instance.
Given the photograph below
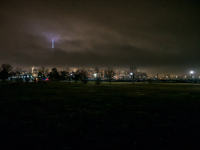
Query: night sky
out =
(154, 35)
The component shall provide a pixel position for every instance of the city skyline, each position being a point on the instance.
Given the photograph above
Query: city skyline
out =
(154, 36)
(125, 71)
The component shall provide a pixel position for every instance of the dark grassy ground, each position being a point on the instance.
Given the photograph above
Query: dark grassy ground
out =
(118, 116)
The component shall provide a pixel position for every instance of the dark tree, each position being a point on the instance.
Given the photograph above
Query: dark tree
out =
(84, 76)
(5, 71)
(18, 71)
(143, 76)
(77, 75)
(110, 74)
(12, 73)
(63, 75)
(54, 75)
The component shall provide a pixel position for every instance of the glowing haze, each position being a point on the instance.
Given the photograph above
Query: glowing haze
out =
(152, 35)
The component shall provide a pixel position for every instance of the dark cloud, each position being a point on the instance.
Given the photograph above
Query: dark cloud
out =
(160, 36)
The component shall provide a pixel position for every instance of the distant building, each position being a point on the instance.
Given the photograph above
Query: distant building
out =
(35, 71)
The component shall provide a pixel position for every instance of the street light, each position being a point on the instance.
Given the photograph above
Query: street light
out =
(132, 77)
(192, 74)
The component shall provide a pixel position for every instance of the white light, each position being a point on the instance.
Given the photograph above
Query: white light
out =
(191, 72)
(95, 75)
(52, 43)
(131, 73)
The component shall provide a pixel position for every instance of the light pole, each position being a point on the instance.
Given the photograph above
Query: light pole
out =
(132, 74)
(192, 74)
(95, 75)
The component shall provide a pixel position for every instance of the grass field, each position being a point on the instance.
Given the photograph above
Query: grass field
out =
(118, 116)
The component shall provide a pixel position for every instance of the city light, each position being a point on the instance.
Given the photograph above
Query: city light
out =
(191, 72)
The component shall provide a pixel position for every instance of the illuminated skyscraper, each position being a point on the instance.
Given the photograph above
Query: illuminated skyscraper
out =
(52, 45)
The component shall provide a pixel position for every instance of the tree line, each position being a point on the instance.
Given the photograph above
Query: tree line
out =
(6, 71)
